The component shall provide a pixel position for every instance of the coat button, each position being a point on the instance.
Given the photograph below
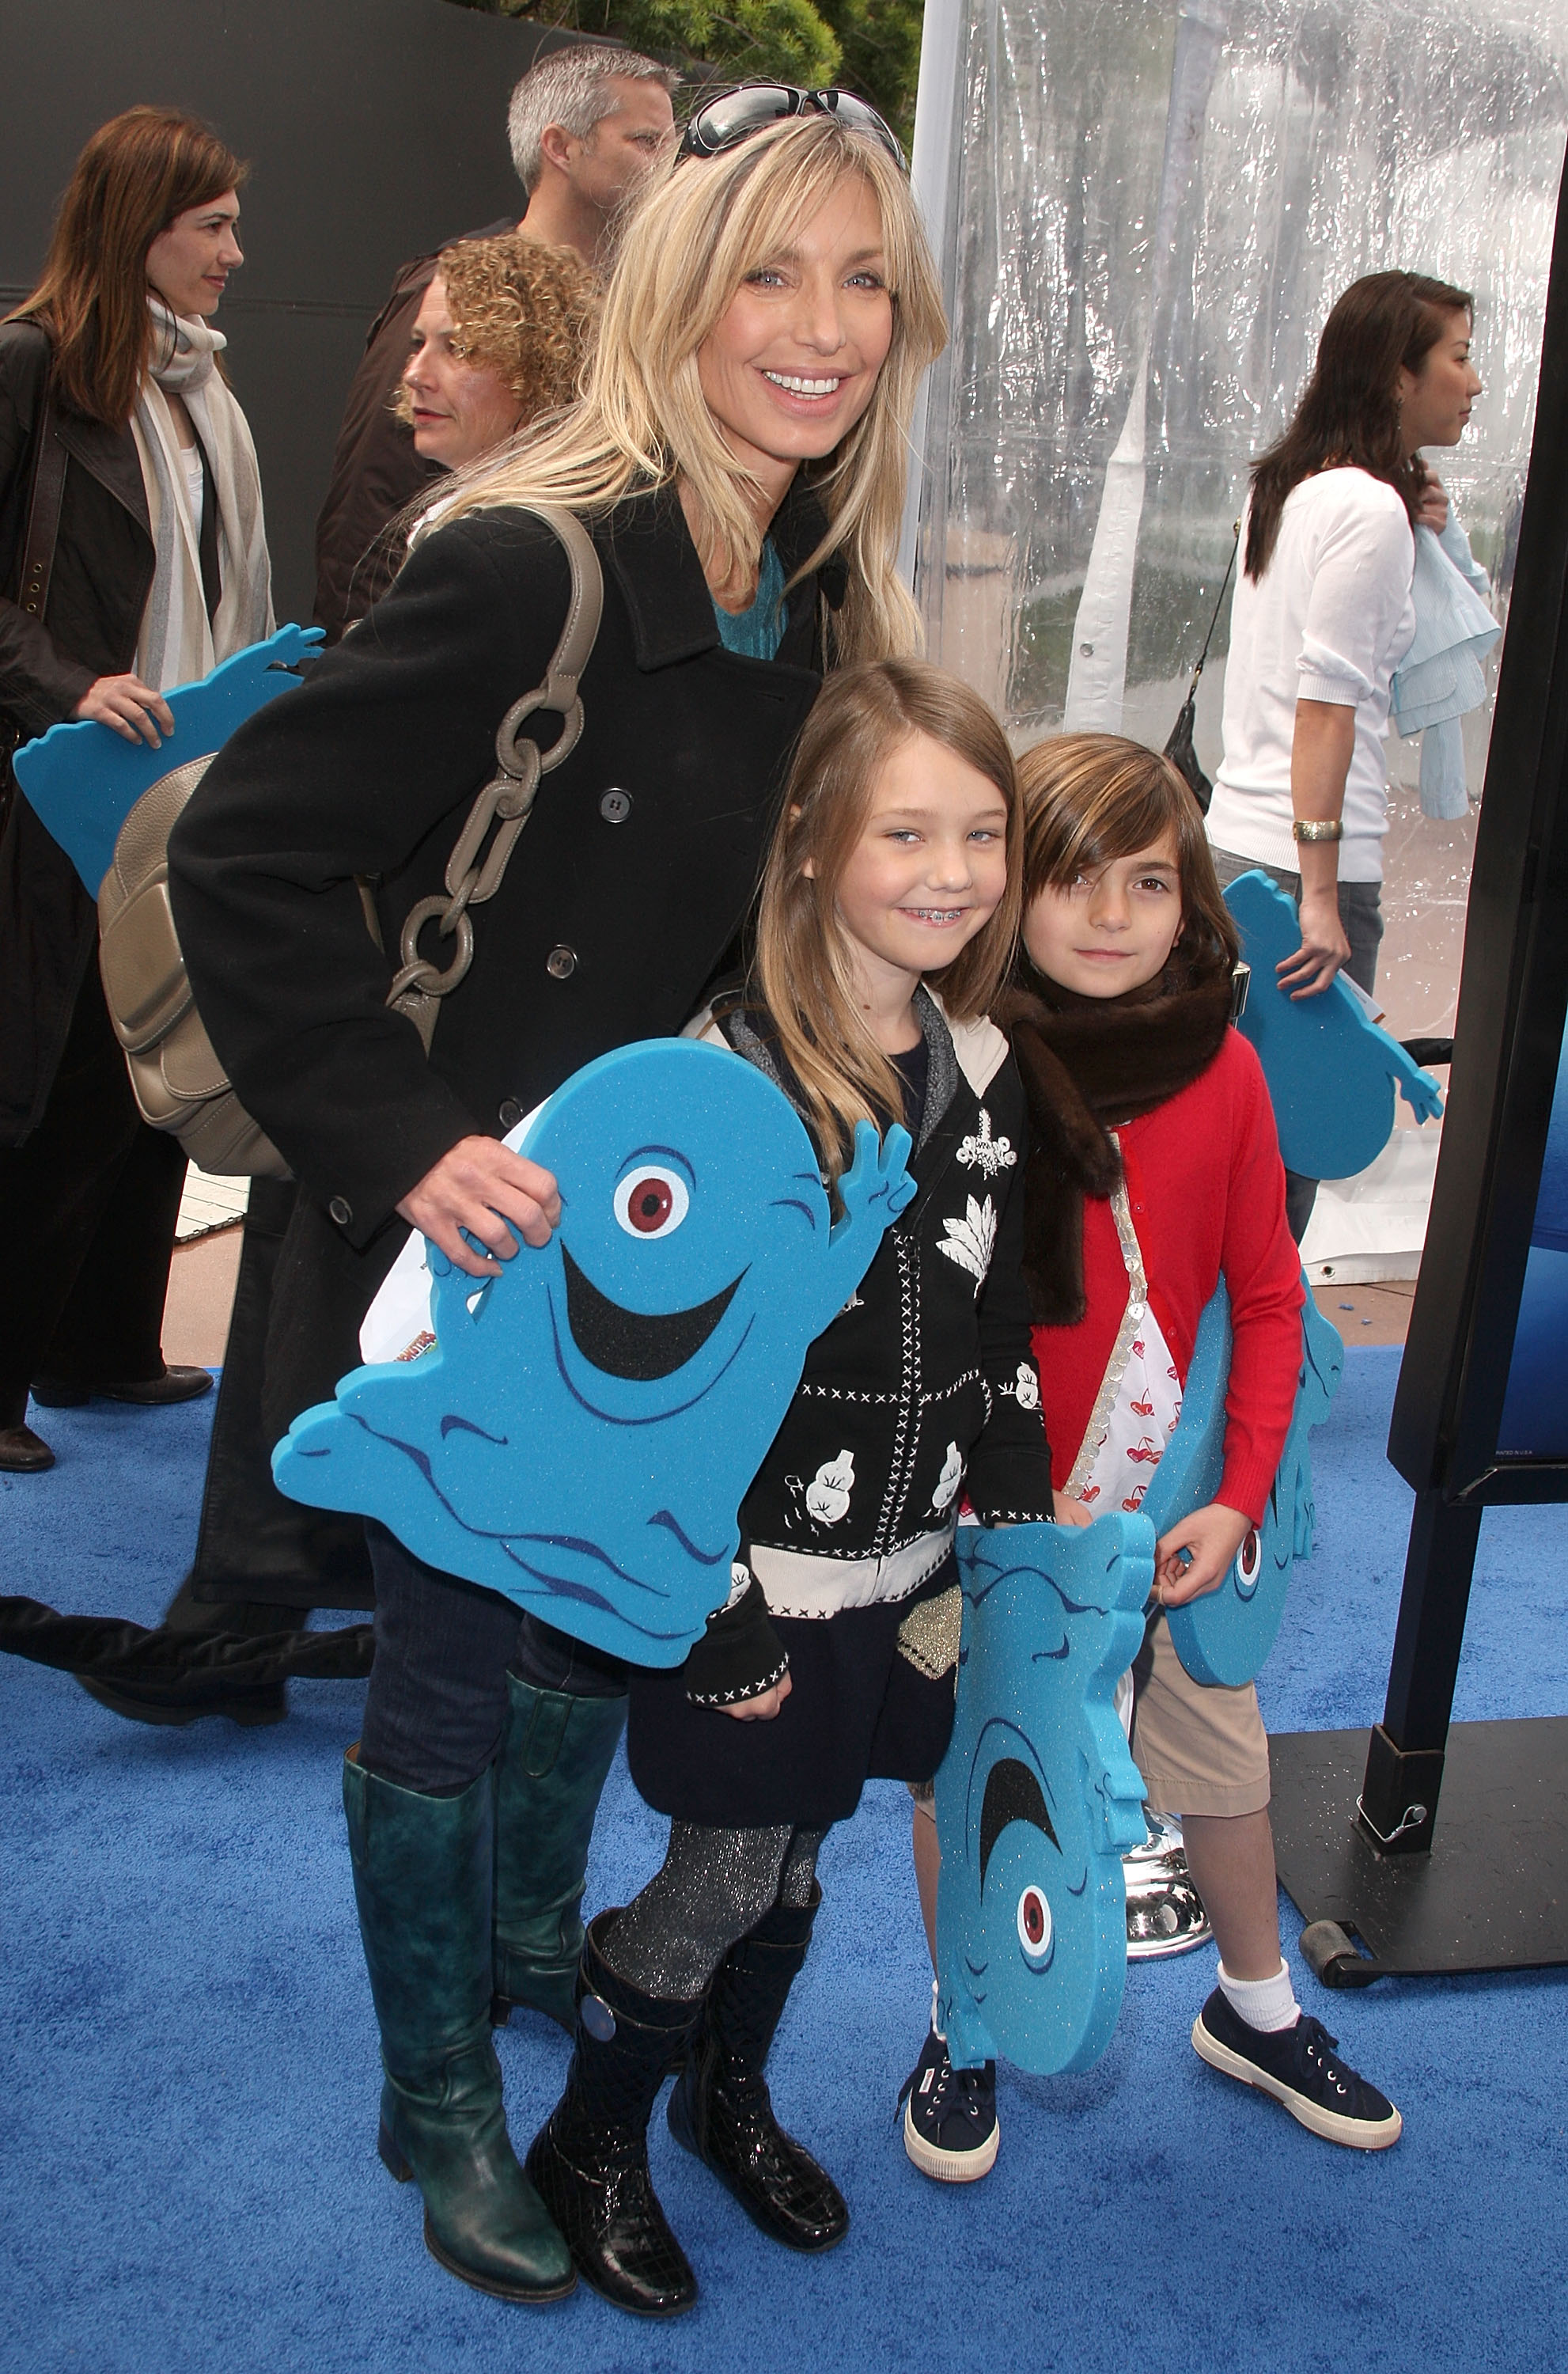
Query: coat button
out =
(561, 963)
(616, 805)
(341, 1210)
(511, 1114)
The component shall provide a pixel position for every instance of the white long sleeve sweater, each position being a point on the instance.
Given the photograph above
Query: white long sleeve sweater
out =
(1331, 620)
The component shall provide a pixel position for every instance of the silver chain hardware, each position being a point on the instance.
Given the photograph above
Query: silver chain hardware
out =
(475, 871)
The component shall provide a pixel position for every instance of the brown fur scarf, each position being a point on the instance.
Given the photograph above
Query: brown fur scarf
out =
(1088, 1065)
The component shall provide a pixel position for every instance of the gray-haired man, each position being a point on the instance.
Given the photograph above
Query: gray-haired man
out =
(585, 125)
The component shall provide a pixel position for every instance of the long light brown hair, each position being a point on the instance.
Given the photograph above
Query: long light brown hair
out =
(803, 972)
(136, 173)
(696, 232)
(1087, 798)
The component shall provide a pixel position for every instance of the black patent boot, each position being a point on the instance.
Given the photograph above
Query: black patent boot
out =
(589, 2163)
(720, 2109)
(555, 1754)
(422, 1885)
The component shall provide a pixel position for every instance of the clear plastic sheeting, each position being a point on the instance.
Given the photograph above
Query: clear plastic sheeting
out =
(1147, 211)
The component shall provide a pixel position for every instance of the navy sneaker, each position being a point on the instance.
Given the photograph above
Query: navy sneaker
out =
(950, 2129)
(1300, 2068)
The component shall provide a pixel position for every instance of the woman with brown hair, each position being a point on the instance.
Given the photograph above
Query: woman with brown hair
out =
(1322, 615)
(119, 433)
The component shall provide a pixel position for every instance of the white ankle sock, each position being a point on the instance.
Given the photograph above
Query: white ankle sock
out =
(1266, 2005)
(935, 2029)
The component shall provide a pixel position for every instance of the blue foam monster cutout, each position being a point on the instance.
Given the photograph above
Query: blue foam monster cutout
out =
(82, 781)
(581, 1432)
(1332, 1070)
(1037, 1798)
(1225, 1637)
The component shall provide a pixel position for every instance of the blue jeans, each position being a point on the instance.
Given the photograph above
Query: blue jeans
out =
(436, 1707)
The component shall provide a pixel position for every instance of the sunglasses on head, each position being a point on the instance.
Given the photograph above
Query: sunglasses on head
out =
(724, 122)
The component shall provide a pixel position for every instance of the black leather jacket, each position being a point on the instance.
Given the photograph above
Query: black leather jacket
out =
(102, 574)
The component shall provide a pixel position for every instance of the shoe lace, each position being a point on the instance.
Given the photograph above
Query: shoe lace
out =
(1321, 2050)
(954, 2090)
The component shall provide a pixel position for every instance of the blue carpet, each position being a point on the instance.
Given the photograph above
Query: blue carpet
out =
(189, 2074)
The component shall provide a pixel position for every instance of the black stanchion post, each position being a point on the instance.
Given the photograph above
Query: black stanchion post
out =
(1398, 1806)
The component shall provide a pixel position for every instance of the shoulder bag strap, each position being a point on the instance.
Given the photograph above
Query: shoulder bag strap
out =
(478, 862)
(43, 510)
(1224, 582)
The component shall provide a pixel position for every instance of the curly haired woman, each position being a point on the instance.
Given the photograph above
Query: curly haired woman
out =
(499, 339)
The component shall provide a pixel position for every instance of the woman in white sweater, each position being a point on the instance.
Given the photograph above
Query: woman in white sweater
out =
(1322, 616)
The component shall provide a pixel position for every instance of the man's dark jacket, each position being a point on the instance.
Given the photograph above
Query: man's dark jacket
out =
(626, 888)
(102, 575)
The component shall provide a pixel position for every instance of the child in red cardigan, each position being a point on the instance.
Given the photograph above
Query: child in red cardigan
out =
(1154, 1168)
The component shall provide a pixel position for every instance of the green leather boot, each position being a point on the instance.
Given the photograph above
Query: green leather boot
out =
(422, 1870)
(548, 1779)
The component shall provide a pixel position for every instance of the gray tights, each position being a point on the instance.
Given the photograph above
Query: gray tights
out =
(714, 1886)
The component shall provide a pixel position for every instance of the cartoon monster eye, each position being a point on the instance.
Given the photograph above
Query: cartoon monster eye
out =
(1035, 1928)
(651, 1203)
(1248, 1563)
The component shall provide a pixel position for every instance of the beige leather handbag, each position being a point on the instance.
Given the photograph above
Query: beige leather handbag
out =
(176, 1076)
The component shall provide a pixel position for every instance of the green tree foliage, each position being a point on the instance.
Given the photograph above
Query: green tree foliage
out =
(880, 41)
(870, 46)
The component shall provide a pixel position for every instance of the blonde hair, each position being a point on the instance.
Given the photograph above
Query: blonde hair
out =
(693, 238)
(520, 310)
(1088, 798)
(803, 972)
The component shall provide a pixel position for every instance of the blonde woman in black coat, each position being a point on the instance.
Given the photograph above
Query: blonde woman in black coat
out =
(739, 460)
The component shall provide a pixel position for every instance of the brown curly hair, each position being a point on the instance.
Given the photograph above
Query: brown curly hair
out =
(521, 309)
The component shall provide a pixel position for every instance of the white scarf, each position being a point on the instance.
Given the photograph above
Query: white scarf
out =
(184, 365)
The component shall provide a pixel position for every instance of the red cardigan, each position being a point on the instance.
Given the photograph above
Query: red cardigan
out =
(1207, 1192)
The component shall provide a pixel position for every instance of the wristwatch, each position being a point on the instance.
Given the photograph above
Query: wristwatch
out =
(1317, 828)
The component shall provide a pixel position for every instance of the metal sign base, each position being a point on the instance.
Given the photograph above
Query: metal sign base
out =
(1492, 1893)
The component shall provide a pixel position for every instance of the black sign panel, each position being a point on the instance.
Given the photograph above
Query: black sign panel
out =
(1482, 1411)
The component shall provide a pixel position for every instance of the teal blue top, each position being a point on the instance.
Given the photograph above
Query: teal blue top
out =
(756, 633)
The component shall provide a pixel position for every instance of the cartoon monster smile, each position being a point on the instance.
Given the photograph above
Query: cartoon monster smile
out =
(580, 1432)
(635, 1342)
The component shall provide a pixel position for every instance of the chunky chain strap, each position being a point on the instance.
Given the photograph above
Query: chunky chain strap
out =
(478, 862)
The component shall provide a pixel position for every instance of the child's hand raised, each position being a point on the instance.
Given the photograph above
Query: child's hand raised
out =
(1196, 1556)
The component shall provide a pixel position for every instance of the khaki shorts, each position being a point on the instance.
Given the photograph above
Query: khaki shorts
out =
(1200, 1749)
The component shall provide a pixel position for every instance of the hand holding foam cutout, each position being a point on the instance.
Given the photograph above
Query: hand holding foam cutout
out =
(1225, 1637)
(582, 1430)
(83, 779)
(1038, 1797)
(1332, 1070)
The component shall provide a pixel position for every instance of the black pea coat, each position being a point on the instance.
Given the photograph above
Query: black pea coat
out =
(103, 572)
(626, 887)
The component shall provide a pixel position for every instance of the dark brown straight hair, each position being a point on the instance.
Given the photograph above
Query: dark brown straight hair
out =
(1350, 411)
(802, 969)
(1091, 797)
(136, 173)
